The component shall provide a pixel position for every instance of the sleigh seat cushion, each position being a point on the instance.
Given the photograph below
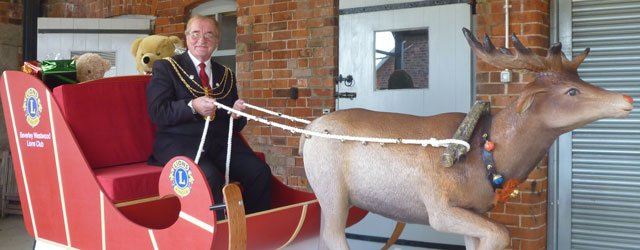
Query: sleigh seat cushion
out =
(129, 182)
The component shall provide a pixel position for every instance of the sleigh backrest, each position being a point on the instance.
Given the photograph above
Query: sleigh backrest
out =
(109, 119)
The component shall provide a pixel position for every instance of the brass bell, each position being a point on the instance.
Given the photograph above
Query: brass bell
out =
(515, 193)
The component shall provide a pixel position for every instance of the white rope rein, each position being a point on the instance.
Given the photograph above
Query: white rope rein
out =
(228, 161)
(364, 140)
(277, 114)
(204, 135)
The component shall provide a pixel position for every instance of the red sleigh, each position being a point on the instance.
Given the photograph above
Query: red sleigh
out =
(80, 154)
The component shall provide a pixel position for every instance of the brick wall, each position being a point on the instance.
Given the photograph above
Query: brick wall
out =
(11, 12)
(526, 215)
(170, 15)
(282, 45)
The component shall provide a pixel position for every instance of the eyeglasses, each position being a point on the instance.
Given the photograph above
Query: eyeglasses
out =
(197, 35)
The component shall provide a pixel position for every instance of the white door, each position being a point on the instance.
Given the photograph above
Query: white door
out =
(447, 88)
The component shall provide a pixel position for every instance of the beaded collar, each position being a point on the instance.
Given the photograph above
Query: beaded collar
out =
(504, 190)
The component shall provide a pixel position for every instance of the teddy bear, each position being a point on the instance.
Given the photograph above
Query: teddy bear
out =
(149, 49)
(90, 66)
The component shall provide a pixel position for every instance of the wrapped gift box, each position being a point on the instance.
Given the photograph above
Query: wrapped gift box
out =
(58, 72)
(32, 68)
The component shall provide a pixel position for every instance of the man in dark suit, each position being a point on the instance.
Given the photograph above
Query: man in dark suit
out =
(180, 96)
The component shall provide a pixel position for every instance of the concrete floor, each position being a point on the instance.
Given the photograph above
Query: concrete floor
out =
(13, 234)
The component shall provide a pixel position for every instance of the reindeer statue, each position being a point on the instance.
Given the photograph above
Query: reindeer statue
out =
(407, 183)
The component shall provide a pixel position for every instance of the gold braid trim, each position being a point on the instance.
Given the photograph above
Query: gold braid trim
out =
(227, 72)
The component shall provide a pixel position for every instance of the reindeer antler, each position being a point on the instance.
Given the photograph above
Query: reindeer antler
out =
(524, 57)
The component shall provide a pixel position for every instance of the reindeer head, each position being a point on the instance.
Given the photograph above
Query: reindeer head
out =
(557, 97)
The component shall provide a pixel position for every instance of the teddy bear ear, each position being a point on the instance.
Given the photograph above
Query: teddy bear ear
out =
(134, 45)
(176, 41)
(107, 64)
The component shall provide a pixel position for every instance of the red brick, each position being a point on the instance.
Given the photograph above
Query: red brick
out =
(281, 64)
(505, 219)
(527, 233)
(259, 9)
(277, 7)
(282, 35)
(528, 16)
(515, 244)
(282, 16)
(532, 198)
(535, 28)
(491, 88)
(533, 221)
(277, 26)
(525, 209)
(277, 45)
(282, 73)
(282, 54)
(482, 77)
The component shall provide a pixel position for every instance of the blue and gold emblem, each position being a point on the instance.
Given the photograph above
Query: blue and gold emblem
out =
(181, 178)
(32, 107)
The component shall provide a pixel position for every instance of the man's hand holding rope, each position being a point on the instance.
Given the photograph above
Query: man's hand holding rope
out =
(239, 106)
(204, 106)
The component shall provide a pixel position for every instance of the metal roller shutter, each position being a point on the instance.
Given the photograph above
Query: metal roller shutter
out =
(605, 181)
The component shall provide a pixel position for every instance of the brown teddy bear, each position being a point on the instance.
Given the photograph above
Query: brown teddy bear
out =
(90, 66)
(149, 49)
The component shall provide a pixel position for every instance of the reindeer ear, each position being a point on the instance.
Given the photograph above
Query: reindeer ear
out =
(527, 97)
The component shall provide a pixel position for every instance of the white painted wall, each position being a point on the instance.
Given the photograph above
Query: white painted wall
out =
(99, 37)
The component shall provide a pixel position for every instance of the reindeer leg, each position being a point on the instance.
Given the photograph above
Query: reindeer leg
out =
(470, 242)
(327, 182)
(334, 210)
(490, 235)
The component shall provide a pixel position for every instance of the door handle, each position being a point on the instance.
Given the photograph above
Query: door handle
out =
(348, 80)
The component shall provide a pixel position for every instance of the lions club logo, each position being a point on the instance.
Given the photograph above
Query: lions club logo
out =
(32, 107)
(181, 178)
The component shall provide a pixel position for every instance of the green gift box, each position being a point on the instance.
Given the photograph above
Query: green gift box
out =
(58, 72)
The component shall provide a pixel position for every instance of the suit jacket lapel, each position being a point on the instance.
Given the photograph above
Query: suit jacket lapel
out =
(185, 61)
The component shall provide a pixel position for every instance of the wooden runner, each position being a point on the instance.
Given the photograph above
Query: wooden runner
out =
(236, 216)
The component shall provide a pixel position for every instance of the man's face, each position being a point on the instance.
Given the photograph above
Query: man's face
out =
(202, 39)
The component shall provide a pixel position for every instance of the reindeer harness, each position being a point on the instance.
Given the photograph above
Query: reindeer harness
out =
(503, 190)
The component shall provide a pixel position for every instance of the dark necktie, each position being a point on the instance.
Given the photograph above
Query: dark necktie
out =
(203, 76)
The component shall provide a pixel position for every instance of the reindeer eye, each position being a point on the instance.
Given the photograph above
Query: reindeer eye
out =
(572, 92)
